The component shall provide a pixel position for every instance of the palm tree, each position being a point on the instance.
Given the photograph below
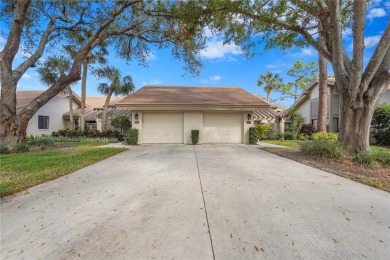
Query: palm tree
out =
(54, 68)
(114, 85)
(98, 56)
(271, 82)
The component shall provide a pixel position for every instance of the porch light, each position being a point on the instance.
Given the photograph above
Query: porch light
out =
(249, 117)
(136, 117)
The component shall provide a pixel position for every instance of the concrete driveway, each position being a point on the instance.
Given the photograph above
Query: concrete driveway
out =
(158, 202)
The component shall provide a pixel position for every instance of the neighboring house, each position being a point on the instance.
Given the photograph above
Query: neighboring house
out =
(49, 117)
(308, 104)
(271, 115)
(168, 114)
(93, 112)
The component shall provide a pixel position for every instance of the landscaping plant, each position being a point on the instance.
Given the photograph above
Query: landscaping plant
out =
(263, 130)
(381, 124)
(121, 122)
(132, 137)
(323, 148)
(195, 136)
(331, 136)
(253, 135)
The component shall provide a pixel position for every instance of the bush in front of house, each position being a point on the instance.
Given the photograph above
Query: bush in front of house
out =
(22, 148)
(195, 136)
(253, 135)
(4, 149)
(323, 148)
(290, 135)
(274, 136)
(263, 130)
(122, 122)
(331, 136)
(381, 124)
(307, 129)
(109, 134)
(132, 136)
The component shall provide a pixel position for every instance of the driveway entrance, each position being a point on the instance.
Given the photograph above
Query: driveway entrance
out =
(197, 202)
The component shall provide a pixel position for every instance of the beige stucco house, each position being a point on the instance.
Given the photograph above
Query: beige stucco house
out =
(49, 117)
(308, 104)
(168, 114)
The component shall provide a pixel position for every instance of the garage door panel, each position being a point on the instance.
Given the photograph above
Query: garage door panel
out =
(163, 128)
(222, 128)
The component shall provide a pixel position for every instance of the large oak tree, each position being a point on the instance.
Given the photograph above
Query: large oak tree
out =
(39, 26)
(290, 23)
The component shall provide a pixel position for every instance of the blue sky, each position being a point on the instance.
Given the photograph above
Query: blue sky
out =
(224, 65)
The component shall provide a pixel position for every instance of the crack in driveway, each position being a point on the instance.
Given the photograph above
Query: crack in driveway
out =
(204, 205)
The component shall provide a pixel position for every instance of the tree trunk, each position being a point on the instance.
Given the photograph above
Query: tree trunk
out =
(268, 93)
(105, 108)
(83, 94)
(71, 120)
(355, 125)
(295, 93)
(323, 94)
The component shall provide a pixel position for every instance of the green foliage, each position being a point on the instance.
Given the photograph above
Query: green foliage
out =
(271, 82)
(303, 137)
(274, 136)
(42, 142)
(381, 124)
(121, 122)
(194, 136)
(383, 158)
(331, 136)
(307, 129)
(263, 130)
(22, 148)
(296, 119)
(290, 135)
(109, 134)
(4, 149)
(366, 158)
(323, 148)
(132, 137)
(253, 135)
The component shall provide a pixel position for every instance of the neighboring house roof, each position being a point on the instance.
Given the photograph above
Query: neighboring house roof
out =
(192, 96)
(93, 102)
(24, 97)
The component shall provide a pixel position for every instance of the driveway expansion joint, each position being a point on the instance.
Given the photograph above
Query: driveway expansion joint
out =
(204, 205)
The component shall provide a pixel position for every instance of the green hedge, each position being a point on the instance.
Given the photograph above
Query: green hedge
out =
(132, 137)
(195, 136)
(88, 134)
(323, 148)
(253, 135)
(325, 136)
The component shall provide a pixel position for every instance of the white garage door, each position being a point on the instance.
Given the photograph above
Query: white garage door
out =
(162, 128)
(222, 128)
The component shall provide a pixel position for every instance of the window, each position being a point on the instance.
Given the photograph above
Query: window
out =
(43, 122)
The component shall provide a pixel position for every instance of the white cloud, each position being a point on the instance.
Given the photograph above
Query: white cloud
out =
(150, 56)
(215, 49)
(26, 76)
(211, 79)
(347, 32)
(304, 52)
(376, 13)
(2, 39)
(371, 41)
(152, 82)
(271, 66)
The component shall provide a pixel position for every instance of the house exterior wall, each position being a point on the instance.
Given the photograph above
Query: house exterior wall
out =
(304, 109)
(137, 123)
(193, 121)
(54, 109)
(384, 97)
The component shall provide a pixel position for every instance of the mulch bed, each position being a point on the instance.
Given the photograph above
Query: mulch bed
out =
(340, 168)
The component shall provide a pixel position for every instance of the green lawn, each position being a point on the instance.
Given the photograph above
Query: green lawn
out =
(19, 172)
(289, 143)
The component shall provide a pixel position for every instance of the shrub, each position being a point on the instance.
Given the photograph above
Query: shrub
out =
(253, 135)
(22, 148)
(195, 136)
(303, 137)
(364, 158)
(274, 136)
(325, 136)
(42, 142)
(307, 129)
(296, 119)
(263, 130)
(132, 137)
(121, 122)
(4, 149)
(322, 148)
(381, 124)
(89, 134)
(290, 135)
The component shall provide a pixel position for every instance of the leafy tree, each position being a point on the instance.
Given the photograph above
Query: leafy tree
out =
(292, 23)
(303, 74)
(53, 68)
(121, 122)
(296, 120)
(271, 82)
(131, 27)
(114, 85)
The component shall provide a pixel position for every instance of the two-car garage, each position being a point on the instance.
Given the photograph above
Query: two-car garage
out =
(166, 115)
(168, 127)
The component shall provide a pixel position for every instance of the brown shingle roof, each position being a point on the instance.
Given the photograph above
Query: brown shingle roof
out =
(208, 96)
